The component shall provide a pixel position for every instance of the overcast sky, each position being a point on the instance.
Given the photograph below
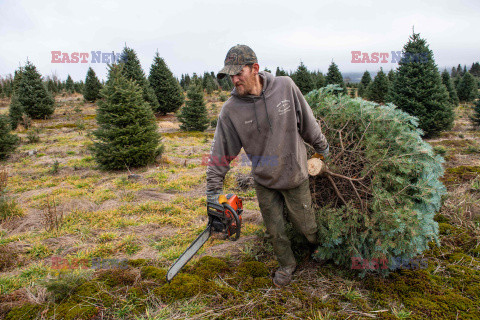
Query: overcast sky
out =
(194, 36)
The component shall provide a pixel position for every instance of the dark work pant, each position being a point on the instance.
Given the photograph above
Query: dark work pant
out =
(298, 202)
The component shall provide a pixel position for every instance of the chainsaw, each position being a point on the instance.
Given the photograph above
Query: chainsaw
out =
(224, 218)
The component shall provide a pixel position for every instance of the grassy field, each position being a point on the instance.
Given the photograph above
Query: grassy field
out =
(80, 243)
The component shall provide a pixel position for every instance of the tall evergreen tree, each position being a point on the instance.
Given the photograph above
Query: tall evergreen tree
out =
(303, 79)
(418, 88)
(280, 72)
(193, 115)
(448, 83)
(364, 82)
(132, 69)
(335, 77)
(92, 86)
(377, 90)
(36, 101)
(167, 90)
(69, 85)
(127, 132)
(467, 88)
(8, 141)
(2, 94)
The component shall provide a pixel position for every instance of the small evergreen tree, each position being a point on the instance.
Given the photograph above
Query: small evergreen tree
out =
(418, 88)
(335, 77)
(167, 90)
(303, 79)
(476, 114)
(2, 94)
(69, 85)
(362, 87)
(52, 86)
(8, 141)
(318, 79)
(132, 69)
(187, 82)
(92, 86)
(208, 83)
(459, 70)
(193, 115)
(280, 72)
(453, 73)
(448, 83)
(377, 90)
(467, 88)
(127, 132)
(36, 101)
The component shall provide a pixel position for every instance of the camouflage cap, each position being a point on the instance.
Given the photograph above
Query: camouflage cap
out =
(237, 57)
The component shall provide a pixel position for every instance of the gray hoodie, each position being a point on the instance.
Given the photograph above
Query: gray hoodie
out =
(271, 128)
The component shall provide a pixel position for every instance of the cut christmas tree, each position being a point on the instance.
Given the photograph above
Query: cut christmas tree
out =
(381, 188)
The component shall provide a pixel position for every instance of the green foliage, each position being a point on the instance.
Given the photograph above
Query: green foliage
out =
(132, 70)
(69, 85)
(467, 88)
(193, 115)
(92, 86)
(318, 79)
(32, 94)
(404, 179)
(208, 83)
(280, 72)
(127, 132)
(448, 83)
(8, 141)
(166, 88)
(335, 77)
(15, 111)
(418, 88)
(377, 90)
(366, 79)
(476, 114)
(303, 79)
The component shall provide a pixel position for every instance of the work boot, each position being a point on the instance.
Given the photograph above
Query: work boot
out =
(283, 276)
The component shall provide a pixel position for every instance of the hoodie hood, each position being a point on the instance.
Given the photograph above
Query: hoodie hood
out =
(267, 79)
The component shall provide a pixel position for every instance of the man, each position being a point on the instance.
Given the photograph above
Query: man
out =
(269, 117)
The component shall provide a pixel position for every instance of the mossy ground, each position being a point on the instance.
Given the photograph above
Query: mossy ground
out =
(149, 219)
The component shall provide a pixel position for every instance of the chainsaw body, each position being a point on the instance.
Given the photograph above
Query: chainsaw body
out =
(224, 217)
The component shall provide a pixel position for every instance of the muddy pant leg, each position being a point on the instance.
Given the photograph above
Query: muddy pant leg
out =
(300, 211)
(271, 206)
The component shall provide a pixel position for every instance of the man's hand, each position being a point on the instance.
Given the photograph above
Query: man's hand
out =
(322, 154)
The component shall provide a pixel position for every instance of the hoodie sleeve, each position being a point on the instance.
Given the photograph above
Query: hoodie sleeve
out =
(307, 125)
(226, 146)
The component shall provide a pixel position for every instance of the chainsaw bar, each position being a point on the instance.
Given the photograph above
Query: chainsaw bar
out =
(189, 253)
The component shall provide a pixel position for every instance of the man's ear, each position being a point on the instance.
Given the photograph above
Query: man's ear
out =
(256, 67)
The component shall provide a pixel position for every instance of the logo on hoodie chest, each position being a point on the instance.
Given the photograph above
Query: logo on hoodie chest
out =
(283, 107)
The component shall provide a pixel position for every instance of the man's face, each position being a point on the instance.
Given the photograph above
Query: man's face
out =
(244, 81)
